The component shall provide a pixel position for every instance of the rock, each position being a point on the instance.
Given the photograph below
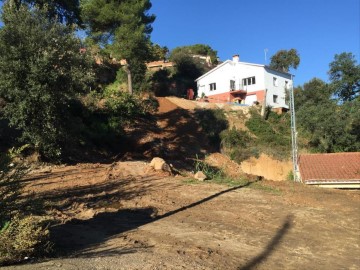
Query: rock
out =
(160, 165)
(200, 176)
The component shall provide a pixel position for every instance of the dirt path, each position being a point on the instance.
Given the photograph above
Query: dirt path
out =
(125, 216)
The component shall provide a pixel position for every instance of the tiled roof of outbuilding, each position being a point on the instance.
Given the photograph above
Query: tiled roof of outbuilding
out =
(334, 167)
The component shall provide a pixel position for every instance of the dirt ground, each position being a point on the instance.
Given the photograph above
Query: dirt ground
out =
(124, 215)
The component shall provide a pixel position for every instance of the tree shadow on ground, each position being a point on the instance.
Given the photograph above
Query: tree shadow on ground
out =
(179, 137)
(79, 237)
(270, 248)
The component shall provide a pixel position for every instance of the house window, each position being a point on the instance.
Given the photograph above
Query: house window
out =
(232, 84)
(286, 85)
(275, 81)
(249, 81)
(212, 86)
(275, 98)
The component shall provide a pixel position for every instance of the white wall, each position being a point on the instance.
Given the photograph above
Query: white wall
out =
(278, 90)
(246, 70)
(230, 70)
(220, 75)
(238, 71)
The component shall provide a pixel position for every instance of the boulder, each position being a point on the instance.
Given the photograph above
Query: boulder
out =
(160, 165)
(200, 176)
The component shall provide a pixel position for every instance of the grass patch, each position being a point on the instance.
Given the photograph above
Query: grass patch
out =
(229, 181)
(191, 181)
(261, 186)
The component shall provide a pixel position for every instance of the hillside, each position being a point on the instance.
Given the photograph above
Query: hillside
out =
(126, 215)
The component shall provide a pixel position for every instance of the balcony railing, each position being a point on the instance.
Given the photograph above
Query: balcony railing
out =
(238, 87)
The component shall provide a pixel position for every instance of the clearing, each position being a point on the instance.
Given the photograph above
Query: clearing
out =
(124, 215)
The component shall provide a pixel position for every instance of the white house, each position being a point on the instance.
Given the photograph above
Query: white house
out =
(246, 83)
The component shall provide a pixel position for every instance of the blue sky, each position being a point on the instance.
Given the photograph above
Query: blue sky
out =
(318, 29)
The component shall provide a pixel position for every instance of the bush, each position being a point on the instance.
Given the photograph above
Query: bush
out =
(272, 136)
(237, 144)
(209, 171)
(23, 237)
(21, 234)
(234, 138)
(9, 189)
(126, 107)
(41, 71)
(103, 116)
(212, 123)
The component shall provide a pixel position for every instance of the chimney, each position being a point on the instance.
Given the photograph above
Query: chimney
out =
(236, 58)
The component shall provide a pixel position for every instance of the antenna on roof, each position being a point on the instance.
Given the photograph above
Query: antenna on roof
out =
(265, 52)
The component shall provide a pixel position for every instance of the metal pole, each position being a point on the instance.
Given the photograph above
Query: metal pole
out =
(293, 133)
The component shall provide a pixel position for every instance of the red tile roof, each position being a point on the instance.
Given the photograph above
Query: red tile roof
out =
(335, 167)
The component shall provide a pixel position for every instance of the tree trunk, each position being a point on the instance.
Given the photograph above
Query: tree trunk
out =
(130, 89)
(126, 68)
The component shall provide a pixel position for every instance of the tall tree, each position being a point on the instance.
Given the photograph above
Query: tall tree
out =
(41, 69)
(283, 60)
(124, 27)
(328, 126)
(344, 75)
(64, 10)
(187, 69)
(197, 49)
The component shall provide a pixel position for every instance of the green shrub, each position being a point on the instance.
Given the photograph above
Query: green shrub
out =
(272, 135)
(233, 137)
(237, 144)
(41, 70)
(212, 123)
(9, 188)
(21, 234)
(209, 171)
(127, 107)
(23, 237)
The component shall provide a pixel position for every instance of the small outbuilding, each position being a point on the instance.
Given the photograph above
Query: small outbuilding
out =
(334, 170)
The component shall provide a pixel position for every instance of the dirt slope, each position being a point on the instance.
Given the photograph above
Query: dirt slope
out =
(173, 134)
(126, 216)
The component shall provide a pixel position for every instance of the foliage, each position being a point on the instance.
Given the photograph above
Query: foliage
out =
(212, 122)
(209, 171)
(64, 10)
(9, 189)
(103, 116)
(283, 60)
(236, 144)
(20, 234)
(196, 49)
(23, 237)
(187, 69)
(161, 81)
(313, 92)
(344, 75)
(158, 52)
(125, 107)
(41, 70)
(329, 126)
(272, 135)
(124, 28)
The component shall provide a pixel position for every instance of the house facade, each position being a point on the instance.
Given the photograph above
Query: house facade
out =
(245, 83)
